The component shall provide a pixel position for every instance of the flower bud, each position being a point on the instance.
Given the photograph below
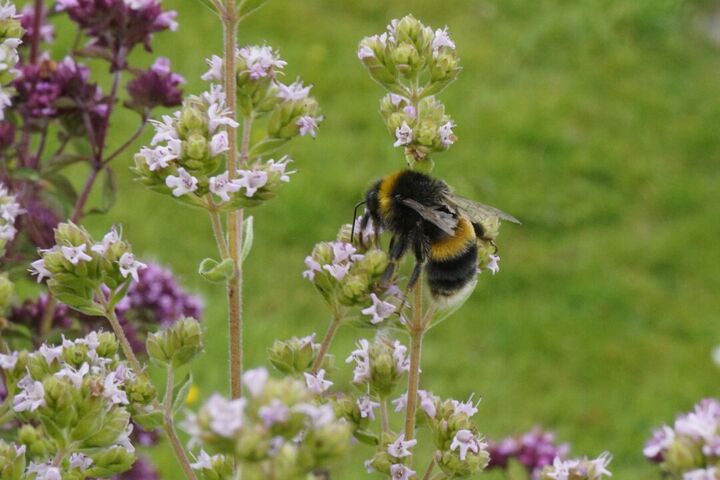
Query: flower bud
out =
(353, 289)
(196, 148)
(70, 234)
(35, 440)
(253, 445)
(12, 461)
(110, 461)
(192, 119)
(293, 356)
(141, 390)
(59, 400)
(683, 455)
(374, 262)
(107, 345)
(178, 344)
(406, 59)
(114, 424)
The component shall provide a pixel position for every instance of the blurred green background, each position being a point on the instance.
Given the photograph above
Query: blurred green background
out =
(594, 121)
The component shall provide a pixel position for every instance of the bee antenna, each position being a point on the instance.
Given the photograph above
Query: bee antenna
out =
(352, 229)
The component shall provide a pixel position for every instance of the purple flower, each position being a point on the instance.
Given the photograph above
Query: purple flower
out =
(142, 469)
(534, 450)
(27, 20)
(158, 86)
(119, 25)
(31, 312)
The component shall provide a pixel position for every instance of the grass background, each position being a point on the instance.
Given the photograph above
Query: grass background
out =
(594, 121)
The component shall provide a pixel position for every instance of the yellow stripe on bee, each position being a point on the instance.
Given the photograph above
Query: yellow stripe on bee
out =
(451, 246)
(385, 192)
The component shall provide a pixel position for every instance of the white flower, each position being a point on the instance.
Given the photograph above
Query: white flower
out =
(226, 416)
(308, 125)
(111, 390)
(261, 61)
(8, 362)
(365, 52)
(662, 439)
(701, 474)
(468, 408)
(494, 264)
(43, 471)
(402, 363)
(367, 407)
(75, 376)
(129, 266)
(7, 11)
(219, 115)
(191, 426)
(442, 39)
(313, 267)
(50, 354)
(75, 255)
(181, 184)
(379, 310)
(598, 466)
(337, 271)
(164, 130)
(319, 416)
(31, 396)
(294, 91)
(10, 210)
(252, 180)
(280, 166)
(216, 69)
(222, 186)
(445, 131)
(38, 268)
(7, 231)
(400, 447)
(255, 381)
(400, 403)
(465, 441)
(274, 412)
(80, 461)
(204, 461)
(219, 143)
(427, 402)
(396, 99)
(399, 471)
(561, 469)
(123, 439)
(316, 383)
(110, 238)
(361, 357)
(403, 135)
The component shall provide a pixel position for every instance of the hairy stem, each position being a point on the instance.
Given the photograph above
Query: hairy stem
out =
(170, 425)
(428, 473)
(417, 330)
(325, 345)
(219, 233)
(124, 343)
(84, 195)
(384, 416)
(234, 218)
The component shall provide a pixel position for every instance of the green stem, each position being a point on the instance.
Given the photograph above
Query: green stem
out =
(384, 416)
(428, 473)
(124, 343)
(325, 345)
(417, 330)
(219, 233)
(169, 425)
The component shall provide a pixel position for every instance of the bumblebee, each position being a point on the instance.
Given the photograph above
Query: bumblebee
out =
(440, 228)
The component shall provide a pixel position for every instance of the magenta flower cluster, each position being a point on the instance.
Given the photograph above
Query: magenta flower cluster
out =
(534, 450)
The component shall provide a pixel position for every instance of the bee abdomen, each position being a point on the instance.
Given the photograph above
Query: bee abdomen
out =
(448, 276)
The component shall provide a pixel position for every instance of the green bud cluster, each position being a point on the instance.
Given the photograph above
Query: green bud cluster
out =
(296, 355)
(74, 402)
(176, 345)
(277, 429)
(85, 274)
(12, 461)
(7, 289)
(413, 63)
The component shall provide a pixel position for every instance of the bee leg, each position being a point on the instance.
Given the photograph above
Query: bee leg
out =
(398, 245)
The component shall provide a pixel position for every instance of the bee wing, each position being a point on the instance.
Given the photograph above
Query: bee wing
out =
(441, 219)
(478, 211)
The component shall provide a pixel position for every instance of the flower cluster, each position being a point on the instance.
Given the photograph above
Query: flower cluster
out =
(579, 469)
(345, 276)
(533, 450)
(119, 25)
(378, 366)
(84, 274)
(11, 32)
(63, 90)
(74, 402)
(9, 211)
(692, 444)
(157, 86)
(277, 429)
(27, 20)
(413, 63)
(188, 149)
